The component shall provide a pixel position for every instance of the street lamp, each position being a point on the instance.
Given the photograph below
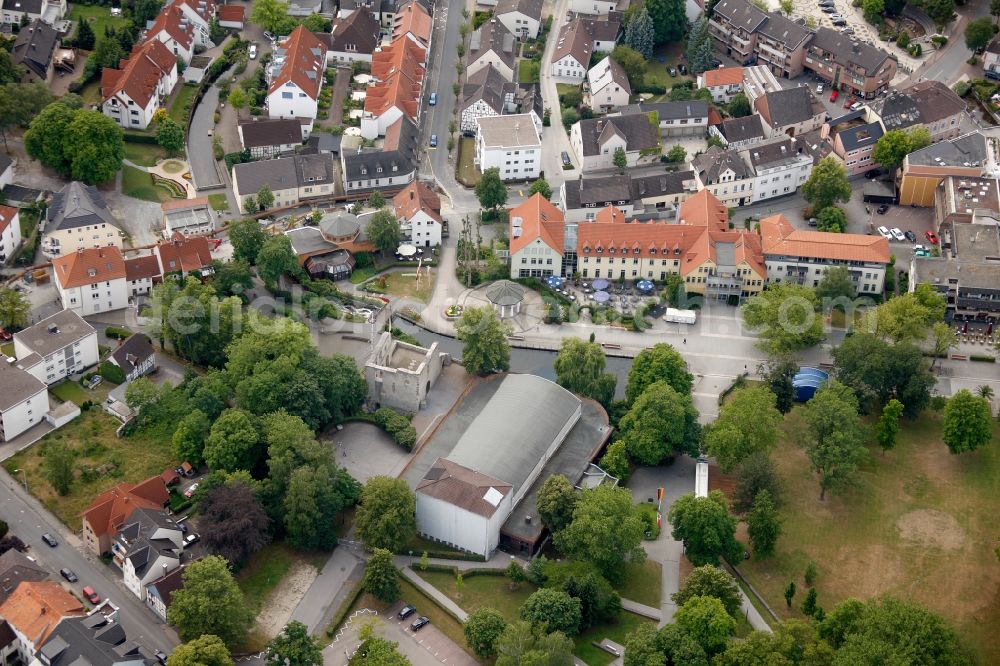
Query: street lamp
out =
(25, 473)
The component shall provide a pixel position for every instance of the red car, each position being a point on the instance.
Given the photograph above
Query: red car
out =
(931, 237)
(92, 596)
(5, 336)
(834, 95)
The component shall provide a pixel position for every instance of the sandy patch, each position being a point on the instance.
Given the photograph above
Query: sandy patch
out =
(282, 601)
(932, 528)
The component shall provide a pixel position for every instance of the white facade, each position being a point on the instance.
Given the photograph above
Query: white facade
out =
(373, 126)
(73, 358)
(10, 237)
(104, 296)
(568, 69)
(593, 7)
(26, 409)
(128, 113)
(606, 93)
(520, 157)
(521, 25)
(290, 101)
(871, 276)
(536, 259)
(490, 57)
(51, 12)
(781, 179)
(6, 175)
(161, 566)
(459, 527)
(422, 230)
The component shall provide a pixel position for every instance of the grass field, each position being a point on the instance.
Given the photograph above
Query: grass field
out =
(920, 525)
(407, 286)
(481, 591)
(70, 391)
(143, 154)
(139, 184)
(7, 349)
(467, 173)
(99, 18)
(219, 202)
(528, 71)
(131, 459)
(595, 656)
(642, 583)
(91, 93)
(184, 97)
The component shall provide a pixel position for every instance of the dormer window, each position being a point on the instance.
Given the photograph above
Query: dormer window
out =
(611, 250)
(600, 250)
(364, 171)
(378, 169)
(635, 251)
(652, 251)
(91, 272)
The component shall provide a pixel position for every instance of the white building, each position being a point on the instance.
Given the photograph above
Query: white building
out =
(132, 95)
(486, 93)
(188, 217)
(14, 11)
(522, 17)
(571, 57)
(512, 144)
(725, 174)
(297, 72)
(352, 39)
(56, 347)
(596, 140)
(537, 236)
(24, 400)
(492, 44)
(419, 211)
(290, 179)
(92, 280)
(780, 167)
(134, 356)
(79, 218)
(607, 86)
(10, 232)
(724, 83)
(597, 7)
(6, 171)
(146, 548)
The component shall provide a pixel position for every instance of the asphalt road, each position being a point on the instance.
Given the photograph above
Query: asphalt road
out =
(29, 520)
(949, 65)
(200, 145)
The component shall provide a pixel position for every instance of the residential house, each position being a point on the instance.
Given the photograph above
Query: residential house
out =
(34, 48)
(17, 568)
(583, 197)
(723, 84)
(413, 21)
(780, 166)
(92, 280)
(270, 137)
(141, 274)
(491, 45)
(856, 67)
(571, 57)
(24, 402)
(419, 211)
(297, 71)
(231, 16)
(740, 132)
(522, 17)
(607, 86)
(351, 39)
(734, 28)
(791, 111)
(991, 60)
(290, 179)
(930, 104)
(10, 232)
(134, 356)
(603, 32)
(14, 12)
(33, 611)
(77, 219)
(966, 274)
(757, 82)
(184, 255)
(387, 168)
(399, 71)
(537, 237)
(853, 141)
(146, 547)
(922, 171)
(304, 8)
(512, 144)
(960, 201)
(188, 217)
(596, 140)
(97, 639)
(662, 192)
(802, 257)
(486, 93)
(687, 118)
(599, 7)
(725, 174)
(113, 509)
(183, 25)
(781, 46)
(159, 593)
(135, 91)
(59, 345)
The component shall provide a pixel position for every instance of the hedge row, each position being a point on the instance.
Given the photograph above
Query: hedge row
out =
(397, 425)
(344, 610)
(116, 333)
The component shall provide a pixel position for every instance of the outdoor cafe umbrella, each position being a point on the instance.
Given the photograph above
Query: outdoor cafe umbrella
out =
(600, 285)
(406, 250)
(601, 296)
(554, 281)
(644, 285)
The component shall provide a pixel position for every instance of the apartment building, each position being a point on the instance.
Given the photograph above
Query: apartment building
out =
(399, 71)
(725, 174)
(91, 280)
(512, 144)
(24, 401)
(929, 104)
(780, 167)
(853, 141)
(389, 167)
(850, 65)
(537, 239)
(723, 84)
(960, 200)
(56, 347)
(419, 211)
(733, 26)
(686, 118)
(79, 218)
(297, 71)
(133, 94)
(967, 274)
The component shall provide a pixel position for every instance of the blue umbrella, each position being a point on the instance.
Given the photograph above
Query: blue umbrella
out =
(601, 285)
(602, 296)
(644, 285)
(554, 281)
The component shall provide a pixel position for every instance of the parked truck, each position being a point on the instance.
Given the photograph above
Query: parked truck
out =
(680, 316)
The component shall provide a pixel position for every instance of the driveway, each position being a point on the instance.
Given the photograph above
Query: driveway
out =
(203, 167)
(141, 220)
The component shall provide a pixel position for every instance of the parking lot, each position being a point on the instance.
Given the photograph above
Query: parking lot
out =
(904, 218)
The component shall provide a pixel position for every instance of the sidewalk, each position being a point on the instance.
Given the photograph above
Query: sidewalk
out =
(439, 597)
(325, 594)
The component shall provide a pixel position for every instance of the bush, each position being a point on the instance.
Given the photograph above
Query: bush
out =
(903, 40)
(939, 40)
(116, 333)
(112, 373)
(651, 89)
(983, 358)
(938, 402)
(3, 529)
(397, 425)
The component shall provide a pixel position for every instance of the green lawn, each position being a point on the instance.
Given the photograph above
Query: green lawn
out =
(642, 583)
(362, 274)
(467, 172)
(92, 437)
(921, 525)
(7, 349)
(91, 93)
(481, 591)
(219, 202)
(407, 286)
(28, 219)
(70, 391)
(139, 184)
(178, 111)
(528, 71)
(264, 571)
(98, 16)
(617, 631)
(143, 154)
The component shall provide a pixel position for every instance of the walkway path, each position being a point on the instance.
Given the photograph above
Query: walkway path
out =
(439, 597)
(326, 593)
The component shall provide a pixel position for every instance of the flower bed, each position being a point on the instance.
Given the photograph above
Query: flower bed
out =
(454, 311)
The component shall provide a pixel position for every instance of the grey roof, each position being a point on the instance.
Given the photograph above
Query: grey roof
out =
(509, 131)
(34, 47)
(897, 110)
(529, 99)
(368, 160)
(741, 13)
(847, 50)
(259, 132)
(936, 100)
(967, 150)
(28, 6)
(784, 31)
(973, 245)
(660, 185)
(792, 105)
(93, 640)
(994, 46)
(505, 292)
(360, 31)
(488, 85)
(589, 192)
(54, 332)
(710, 164)
(15, 567)
(77, 205)
(18, 385)
(602, 28)
(638, 132)
(773, 153)
(5, 162)
(532, 8)
(133, 351)
(695, 108)
(339, 224)
(515, 429)
(844, 119)
(284, 173)
(742, 129)
(308, 240)
(314, 169)
(860, 136)
(493, 36)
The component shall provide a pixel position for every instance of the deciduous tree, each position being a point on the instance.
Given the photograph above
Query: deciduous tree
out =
(968, 423)
(832, 219)
(615, 461)
(233, 442)
(755, 473)
(833, 436)
(381, 579)
(873, 10)
(386, 517)
(317, 23)
(705, 619)
(763, 524)
(778, 374)
(599, 602)
(233, 521)
(888, 424)
(605, 531)
(265, 197)
(272, 15)
(210, 602)
(660, 424)
(661, 363)
(294, 647)
(315, 495)
(619, 159)
(580, 367)
(170, 136)
(944, 338)
(94, 146)
(207, 650)
(710, 581)
(785, 315)
(490, 190)
(875, 369)
(896, 144)
(836, 287)
(677, 154)
(482, 629)
(14, 310)
(553, 609)
(247, 239)
(705, 527)
(739, 106)
(633, 63)
(522, 643)
(45, 138)
(680, 647)
(275, 259)
(555, 502)
(58, 465)
(827, 184)
(669, 19)
(20, 103)
(540, 186)
(485, 349)
(383, 230)
(747, 423)
(978, 33)
(189, 437)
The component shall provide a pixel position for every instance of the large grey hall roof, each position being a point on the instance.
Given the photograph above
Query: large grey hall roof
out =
(515, 429)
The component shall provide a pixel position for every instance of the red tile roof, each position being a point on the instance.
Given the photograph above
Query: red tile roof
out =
(140, 74)
(416, 197)
(170, 21)
(184, 253)
(726, 76)
(113, 507)
(36, 607)
(7, 215)
(234, 13)
(304, 53)
(399, 69)
(778, 236)
(412, 18)
(539, 219)
(142, 268)
(87, 266)
(704, 209)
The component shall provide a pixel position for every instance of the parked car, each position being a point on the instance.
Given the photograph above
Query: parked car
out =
(872, 174)
(161, 657)
(49, 539)
(434, 140)
(5, 336)
(834, 95)
(190, 491)
(931, 237)
(919, 248)
(91, 596)
(420, 623)
(469, 134)
(839, 21)
(921, 253)
(268, 36)
(253, 52)
(898, 234)
(910, 236)
(813, 222)
(407, 611)
(68, 575)
(819, 88)
(829, 9)
(847, 31)
(191, 539)
(857, 106)
(95, 381)
(433, 99)
(884, 232)
(882, 209)
(683, 69)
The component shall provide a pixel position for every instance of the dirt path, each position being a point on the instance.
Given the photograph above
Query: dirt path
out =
(279, 605)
